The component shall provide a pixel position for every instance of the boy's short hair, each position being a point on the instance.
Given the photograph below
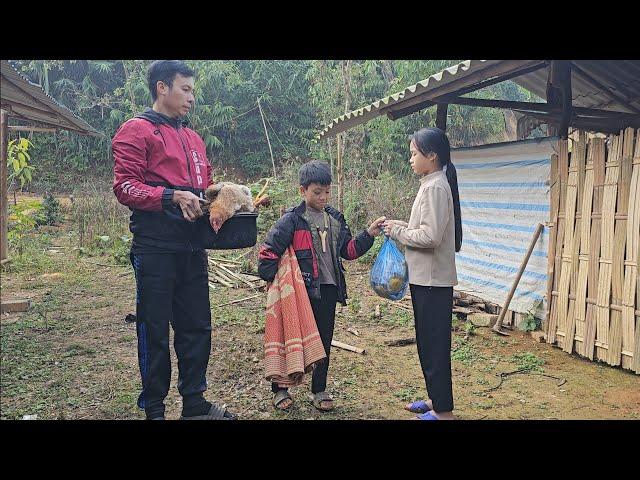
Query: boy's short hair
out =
(165, 71)
(315, 171)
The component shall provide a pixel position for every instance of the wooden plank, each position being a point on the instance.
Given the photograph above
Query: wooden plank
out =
(563, 173)
(15, 305)
(583, 267)
(581, 153)
(619, 242)
(606, 251)
(598, 148)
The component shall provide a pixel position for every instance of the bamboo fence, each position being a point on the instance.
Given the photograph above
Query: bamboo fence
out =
(593, 281)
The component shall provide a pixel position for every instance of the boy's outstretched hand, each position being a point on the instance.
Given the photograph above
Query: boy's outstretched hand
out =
(376, 227)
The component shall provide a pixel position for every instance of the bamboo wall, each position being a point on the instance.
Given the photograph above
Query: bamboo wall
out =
(594, 247)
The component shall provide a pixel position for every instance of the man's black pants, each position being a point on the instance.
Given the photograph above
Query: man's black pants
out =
(324, 311)
(432, 308)
(172, 288)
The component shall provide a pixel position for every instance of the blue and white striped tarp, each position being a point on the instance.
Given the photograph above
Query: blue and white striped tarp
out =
(504, 194)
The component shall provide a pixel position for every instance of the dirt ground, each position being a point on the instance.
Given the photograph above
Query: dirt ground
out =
(72, 356)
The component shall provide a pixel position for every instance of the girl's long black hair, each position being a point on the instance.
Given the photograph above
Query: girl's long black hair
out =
(434, 140)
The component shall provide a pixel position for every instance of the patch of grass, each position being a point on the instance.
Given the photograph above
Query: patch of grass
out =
(463, 351)
(407, 393)
(528, 361)
(76, 349)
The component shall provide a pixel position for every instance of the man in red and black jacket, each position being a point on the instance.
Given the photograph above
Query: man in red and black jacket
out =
(160, 172)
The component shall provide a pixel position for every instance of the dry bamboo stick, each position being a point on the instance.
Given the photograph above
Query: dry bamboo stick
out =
(630, 339)
(619, 242)
(581, 151)
(553, 230)
(234, 275)
(583, 268)
(606, 253)
(225, 260)
(567, 251)
(220, 278)
(563, 172)
(346, 346)
(598, 147)
(239, 300)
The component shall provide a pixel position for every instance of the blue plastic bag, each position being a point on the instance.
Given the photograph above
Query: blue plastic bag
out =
(389, 275)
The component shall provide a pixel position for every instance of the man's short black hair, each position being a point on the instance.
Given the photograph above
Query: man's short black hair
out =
(315, 171)
(165, 71)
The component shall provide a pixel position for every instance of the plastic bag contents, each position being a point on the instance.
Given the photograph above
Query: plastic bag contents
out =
(389, 275)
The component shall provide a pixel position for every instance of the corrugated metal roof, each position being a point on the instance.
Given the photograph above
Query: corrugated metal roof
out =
(28, 101)
(615, 85)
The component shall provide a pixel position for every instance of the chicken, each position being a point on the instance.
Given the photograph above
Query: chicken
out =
(226, 199)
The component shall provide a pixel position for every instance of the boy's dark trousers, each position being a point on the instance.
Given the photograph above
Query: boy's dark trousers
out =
(324, 311)
(172, 288)
(432, 308)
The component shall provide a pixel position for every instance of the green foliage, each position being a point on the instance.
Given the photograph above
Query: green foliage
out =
(51, 210)
(528, 361)
(297, 98)
(18, 161)
(24, 217)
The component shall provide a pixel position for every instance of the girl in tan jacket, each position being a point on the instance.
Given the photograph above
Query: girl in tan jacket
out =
(431, 238)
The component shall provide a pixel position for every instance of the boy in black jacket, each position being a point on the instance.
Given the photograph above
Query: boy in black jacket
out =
(321, 239)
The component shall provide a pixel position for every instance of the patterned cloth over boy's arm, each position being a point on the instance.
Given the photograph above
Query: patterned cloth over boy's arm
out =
(274, 245)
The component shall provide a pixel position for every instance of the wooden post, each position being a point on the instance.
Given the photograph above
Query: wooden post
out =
(559, 94)
(4, 139)
(441, 116)
(273, 162)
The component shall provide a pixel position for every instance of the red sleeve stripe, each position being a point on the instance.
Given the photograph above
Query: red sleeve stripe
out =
(351, 250)
(266, 254)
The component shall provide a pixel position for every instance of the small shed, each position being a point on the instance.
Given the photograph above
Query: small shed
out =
(584, 188)
(27, 102)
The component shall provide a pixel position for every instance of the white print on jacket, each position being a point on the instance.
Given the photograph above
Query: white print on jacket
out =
(197, 163)
(133, 191)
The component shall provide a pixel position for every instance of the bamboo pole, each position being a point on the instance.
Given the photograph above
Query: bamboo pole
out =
(339, 174)
(619, 242)
(4, 139)
(273, 162)
(581, 151)
(583, 268)
(631, 262)
(498, 325)
(563, 173)
(553, 230)
(636, 347)
(606, 252)
(598, 147)
(570, 221)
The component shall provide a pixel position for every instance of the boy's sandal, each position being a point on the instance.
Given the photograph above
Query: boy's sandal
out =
(427, 416)
(216, 412)
(318, 398)
(419, 406)
(281, 396)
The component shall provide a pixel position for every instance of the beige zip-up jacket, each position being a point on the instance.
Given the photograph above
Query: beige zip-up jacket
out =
(429, 236)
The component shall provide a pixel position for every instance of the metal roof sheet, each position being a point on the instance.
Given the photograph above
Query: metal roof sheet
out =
(614, 85)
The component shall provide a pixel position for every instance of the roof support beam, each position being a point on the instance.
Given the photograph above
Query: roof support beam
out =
(441, 116)
(618, 98)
